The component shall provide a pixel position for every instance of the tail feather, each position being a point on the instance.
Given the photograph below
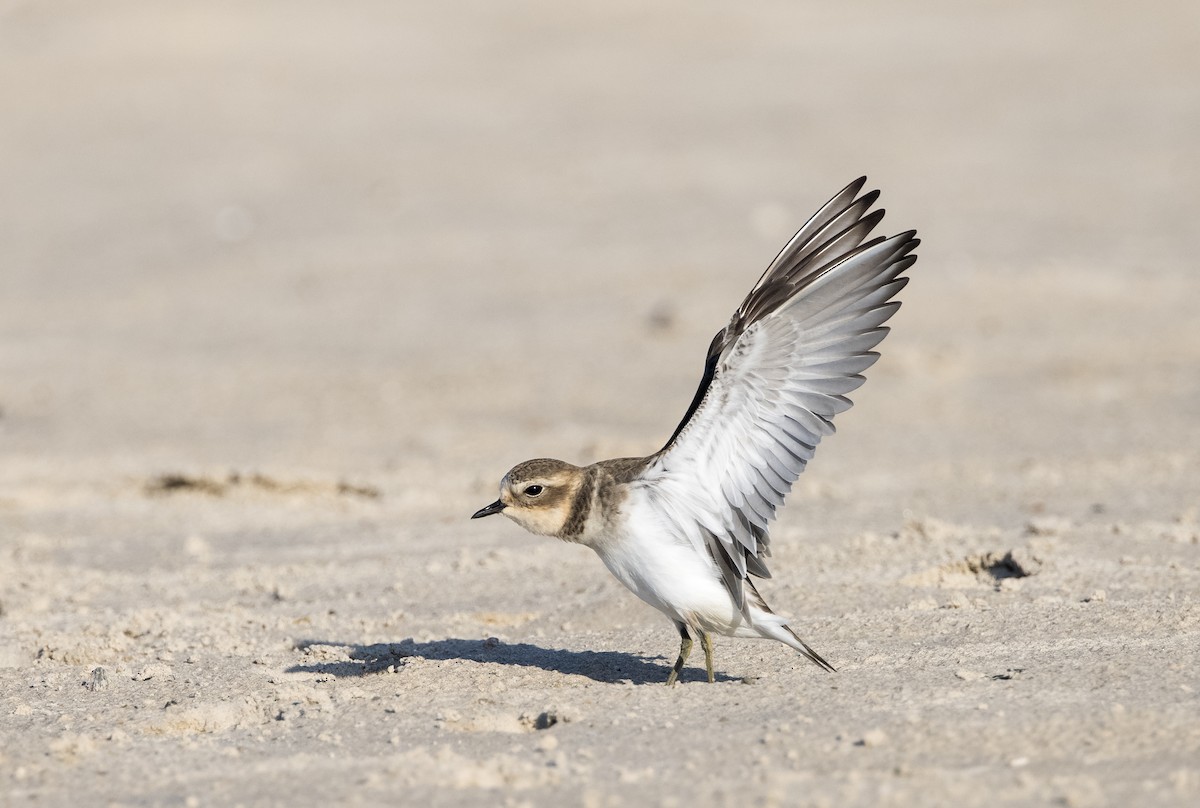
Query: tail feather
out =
(770, 625)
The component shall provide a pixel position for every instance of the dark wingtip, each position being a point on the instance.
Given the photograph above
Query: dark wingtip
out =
(817, 659)
(854, 188)
(825, 666)
(810, 654)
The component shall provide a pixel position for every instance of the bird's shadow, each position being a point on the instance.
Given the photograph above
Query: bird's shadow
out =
(609, 667)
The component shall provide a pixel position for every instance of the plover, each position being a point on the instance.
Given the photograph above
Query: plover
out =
(686, 527)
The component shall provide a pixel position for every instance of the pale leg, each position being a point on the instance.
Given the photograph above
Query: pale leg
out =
(685, 648)
(706, 642)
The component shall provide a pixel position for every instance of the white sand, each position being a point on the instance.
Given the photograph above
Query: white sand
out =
(366, 256)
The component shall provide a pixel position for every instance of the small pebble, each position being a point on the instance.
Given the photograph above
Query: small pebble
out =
(98, 680)
(875, 737)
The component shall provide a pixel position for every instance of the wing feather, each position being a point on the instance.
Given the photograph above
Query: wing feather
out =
(774, 379)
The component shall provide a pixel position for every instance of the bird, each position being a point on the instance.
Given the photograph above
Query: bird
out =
(686, 529)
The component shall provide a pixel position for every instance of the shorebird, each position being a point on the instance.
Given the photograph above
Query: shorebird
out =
(686, 527)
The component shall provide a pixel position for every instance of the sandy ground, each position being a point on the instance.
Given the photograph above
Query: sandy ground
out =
(286, 287)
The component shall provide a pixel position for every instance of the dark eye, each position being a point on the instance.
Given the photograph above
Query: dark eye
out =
(533, 490)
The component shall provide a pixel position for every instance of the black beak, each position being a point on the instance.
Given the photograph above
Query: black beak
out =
(495, 507)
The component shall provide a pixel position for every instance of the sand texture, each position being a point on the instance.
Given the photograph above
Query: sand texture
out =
(285, 288)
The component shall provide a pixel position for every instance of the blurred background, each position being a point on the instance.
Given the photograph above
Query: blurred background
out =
(286, 287)
(400, 239)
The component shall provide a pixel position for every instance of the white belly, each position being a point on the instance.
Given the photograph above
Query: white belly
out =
(672, 576)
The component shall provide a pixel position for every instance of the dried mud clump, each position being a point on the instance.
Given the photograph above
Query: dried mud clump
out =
(165, 484)
(986, 568)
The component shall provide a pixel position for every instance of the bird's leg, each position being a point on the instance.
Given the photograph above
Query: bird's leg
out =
(706, 643)
(685, 648)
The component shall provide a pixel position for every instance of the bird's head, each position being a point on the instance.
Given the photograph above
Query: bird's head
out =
(537, 495)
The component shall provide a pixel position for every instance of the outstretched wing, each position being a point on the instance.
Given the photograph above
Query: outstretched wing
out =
(774, 379)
